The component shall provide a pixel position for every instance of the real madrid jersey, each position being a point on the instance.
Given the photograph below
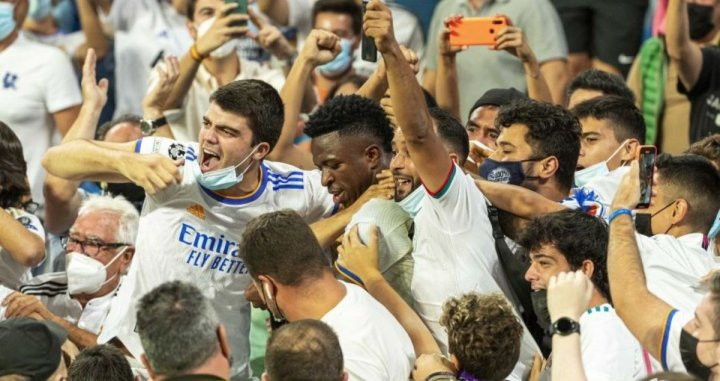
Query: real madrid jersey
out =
(190, 233)
(12, 274)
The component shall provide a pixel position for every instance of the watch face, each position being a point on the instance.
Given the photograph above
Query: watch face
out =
(564, 325)
(146, 127)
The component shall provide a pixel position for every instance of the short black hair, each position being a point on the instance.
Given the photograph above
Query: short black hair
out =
(347, 7)
(552, 131)
(352, 115)
(608, 84)
(124, 118)
(282, 245)
(101, 362)
(577, 236)
(304, 350)
(451, 132)
(257, 101)
(695, 179)
(190, 9)
(13, 169)
(625, 118)
(708, 147)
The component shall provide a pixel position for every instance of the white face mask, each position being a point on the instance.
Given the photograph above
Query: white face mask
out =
(585, 175)
(86, 275)
(222, 178)
(223, 50)
(412, 202)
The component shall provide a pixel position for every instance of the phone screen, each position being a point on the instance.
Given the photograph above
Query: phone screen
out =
(647, 166)
(242, 8)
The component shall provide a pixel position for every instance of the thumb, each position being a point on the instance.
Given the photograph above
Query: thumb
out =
(103, 85)
(373, 236)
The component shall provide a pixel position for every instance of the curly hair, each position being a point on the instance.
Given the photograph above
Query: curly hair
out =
(578, 236)
(709, 148)
(483, 333)
(352, 115)
(552, 131)
(606, 83)
(13, 169)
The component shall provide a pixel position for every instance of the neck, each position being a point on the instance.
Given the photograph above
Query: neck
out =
(4, 44)
(314, 299)
(247, 186)
(681, 230)
(597, 299)
(325, 83)
(217, 365)
(225, 69)
(551, 190)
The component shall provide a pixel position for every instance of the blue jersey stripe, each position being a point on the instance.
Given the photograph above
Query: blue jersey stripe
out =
(289, 186)
(666, 338)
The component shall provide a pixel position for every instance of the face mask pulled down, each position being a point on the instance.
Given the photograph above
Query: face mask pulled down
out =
(7, 19)
(585, 175)
(86, 275)
(222, 178)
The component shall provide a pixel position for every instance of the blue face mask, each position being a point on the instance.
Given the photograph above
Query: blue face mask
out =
(7, 19)
(223, 178)
(715, 229)
(411, 203)
(339, 64)
(505, 172)
(39, 9)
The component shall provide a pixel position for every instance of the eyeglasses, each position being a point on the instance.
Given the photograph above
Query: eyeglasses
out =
(90, 247)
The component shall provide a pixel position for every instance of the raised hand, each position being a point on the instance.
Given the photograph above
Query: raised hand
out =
(270, 37)
(444, 47)
(377, 24)
(320, 47)
(154, 101)
(221, 30)
(94, 92)
(361, 259)
(512, 40)
(568, 295)
(153, 172)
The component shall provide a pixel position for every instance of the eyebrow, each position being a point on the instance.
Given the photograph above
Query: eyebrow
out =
(504, 143)
(540, 256)
(208, 121)
(586, 134)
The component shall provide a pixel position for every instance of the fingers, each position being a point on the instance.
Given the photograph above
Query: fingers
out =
(89, 64)
(373, 236)
(256, 19)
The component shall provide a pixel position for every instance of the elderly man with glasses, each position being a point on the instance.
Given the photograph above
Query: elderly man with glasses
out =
(99, 248)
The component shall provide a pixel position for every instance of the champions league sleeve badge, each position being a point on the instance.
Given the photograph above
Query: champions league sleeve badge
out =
(176, 151)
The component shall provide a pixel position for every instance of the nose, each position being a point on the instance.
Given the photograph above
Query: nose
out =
(326, 177)
(531, 274)
(397, 162)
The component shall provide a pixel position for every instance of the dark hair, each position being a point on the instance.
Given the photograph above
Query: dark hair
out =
(257, 101)
(714, 286)
(177, 328)
(451, 132)
(282, 245)
(304, 350)
(709, 147)
(625, 118)
(102, 362)
(352, 115)
(13, 169)
(356, 79)
(608, 84)
(695, 179)
(346, 7)
(552, 131)
(429, 99)
(577, 236)
(483, 333)
(107, 126)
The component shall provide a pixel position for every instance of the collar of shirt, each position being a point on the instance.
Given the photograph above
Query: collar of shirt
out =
(692, 240)
(209, 82)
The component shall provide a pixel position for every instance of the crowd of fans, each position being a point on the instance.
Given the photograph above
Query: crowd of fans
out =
(220, 190)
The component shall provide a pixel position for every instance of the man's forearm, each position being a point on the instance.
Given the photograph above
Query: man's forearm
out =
(375, 87)
(685, 53)
(407, 96)
(188, 70)
(567, 350)
(447, 93)
(79, 336)
(538, 88)
(84, 160)
(329, 229)
(557, 77)
(519, 201)
(91, 26)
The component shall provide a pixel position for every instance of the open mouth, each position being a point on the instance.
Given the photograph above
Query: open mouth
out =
(210, 160)
(338, 196)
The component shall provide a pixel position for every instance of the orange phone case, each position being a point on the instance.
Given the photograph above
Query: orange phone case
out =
(475, 30)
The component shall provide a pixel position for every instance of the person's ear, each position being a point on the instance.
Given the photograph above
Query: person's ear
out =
(191, 29)
(344, 376)
(373, 156)
(263, 149)
(588, 268)
(146, 364)
(680, 210)
(548, 167)
(126, 258)
(454, 158)
(223, 341)
(454, 360)
(629, 152)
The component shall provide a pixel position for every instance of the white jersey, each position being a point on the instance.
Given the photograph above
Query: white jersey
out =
(454, 253)
(670, 357)
(609, 351)
(673, 267)
(595, 198)
(190, 233)
(12, 274)
(375, 346)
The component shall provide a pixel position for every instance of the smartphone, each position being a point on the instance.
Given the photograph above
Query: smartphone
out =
(242, 8)
(368, 50)
(646, 159)
(476, 30)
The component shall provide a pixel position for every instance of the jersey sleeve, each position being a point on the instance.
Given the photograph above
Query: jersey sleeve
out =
(170, 148)
(455, 201)
(61, 89)
(319, 202)
(670, 357)
(29, 221)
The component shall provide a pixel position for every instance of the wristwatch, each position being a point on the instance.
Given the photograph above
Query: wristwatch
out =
(149, 126)
(564, 326)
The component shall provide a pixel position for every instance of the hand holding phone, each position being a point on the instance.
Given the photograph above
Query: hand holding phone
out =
(241, 8)
(646, 161)
(368, 50)
(476, 30)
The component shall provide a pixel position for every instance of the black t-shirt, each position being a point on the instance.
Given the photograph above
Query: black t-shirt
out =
(705, 97)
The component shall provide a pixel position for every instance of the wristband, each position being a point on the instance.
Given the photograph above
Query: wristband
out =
(618, 212)
(195, 54)
(442, 375)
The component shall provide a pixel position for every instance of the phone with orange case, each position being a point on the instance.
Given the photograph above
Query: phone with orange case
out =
(476, 30)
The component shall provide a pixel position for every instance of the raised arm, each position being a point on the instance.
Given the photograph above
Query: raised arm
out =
(642, 312)
(429, 155)
(92, 29)
(682, 51)
(62, 199)
(24, 246)
(320, 47)
(362, 260)
(447, 93)
(376, 86)
(220, 32)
